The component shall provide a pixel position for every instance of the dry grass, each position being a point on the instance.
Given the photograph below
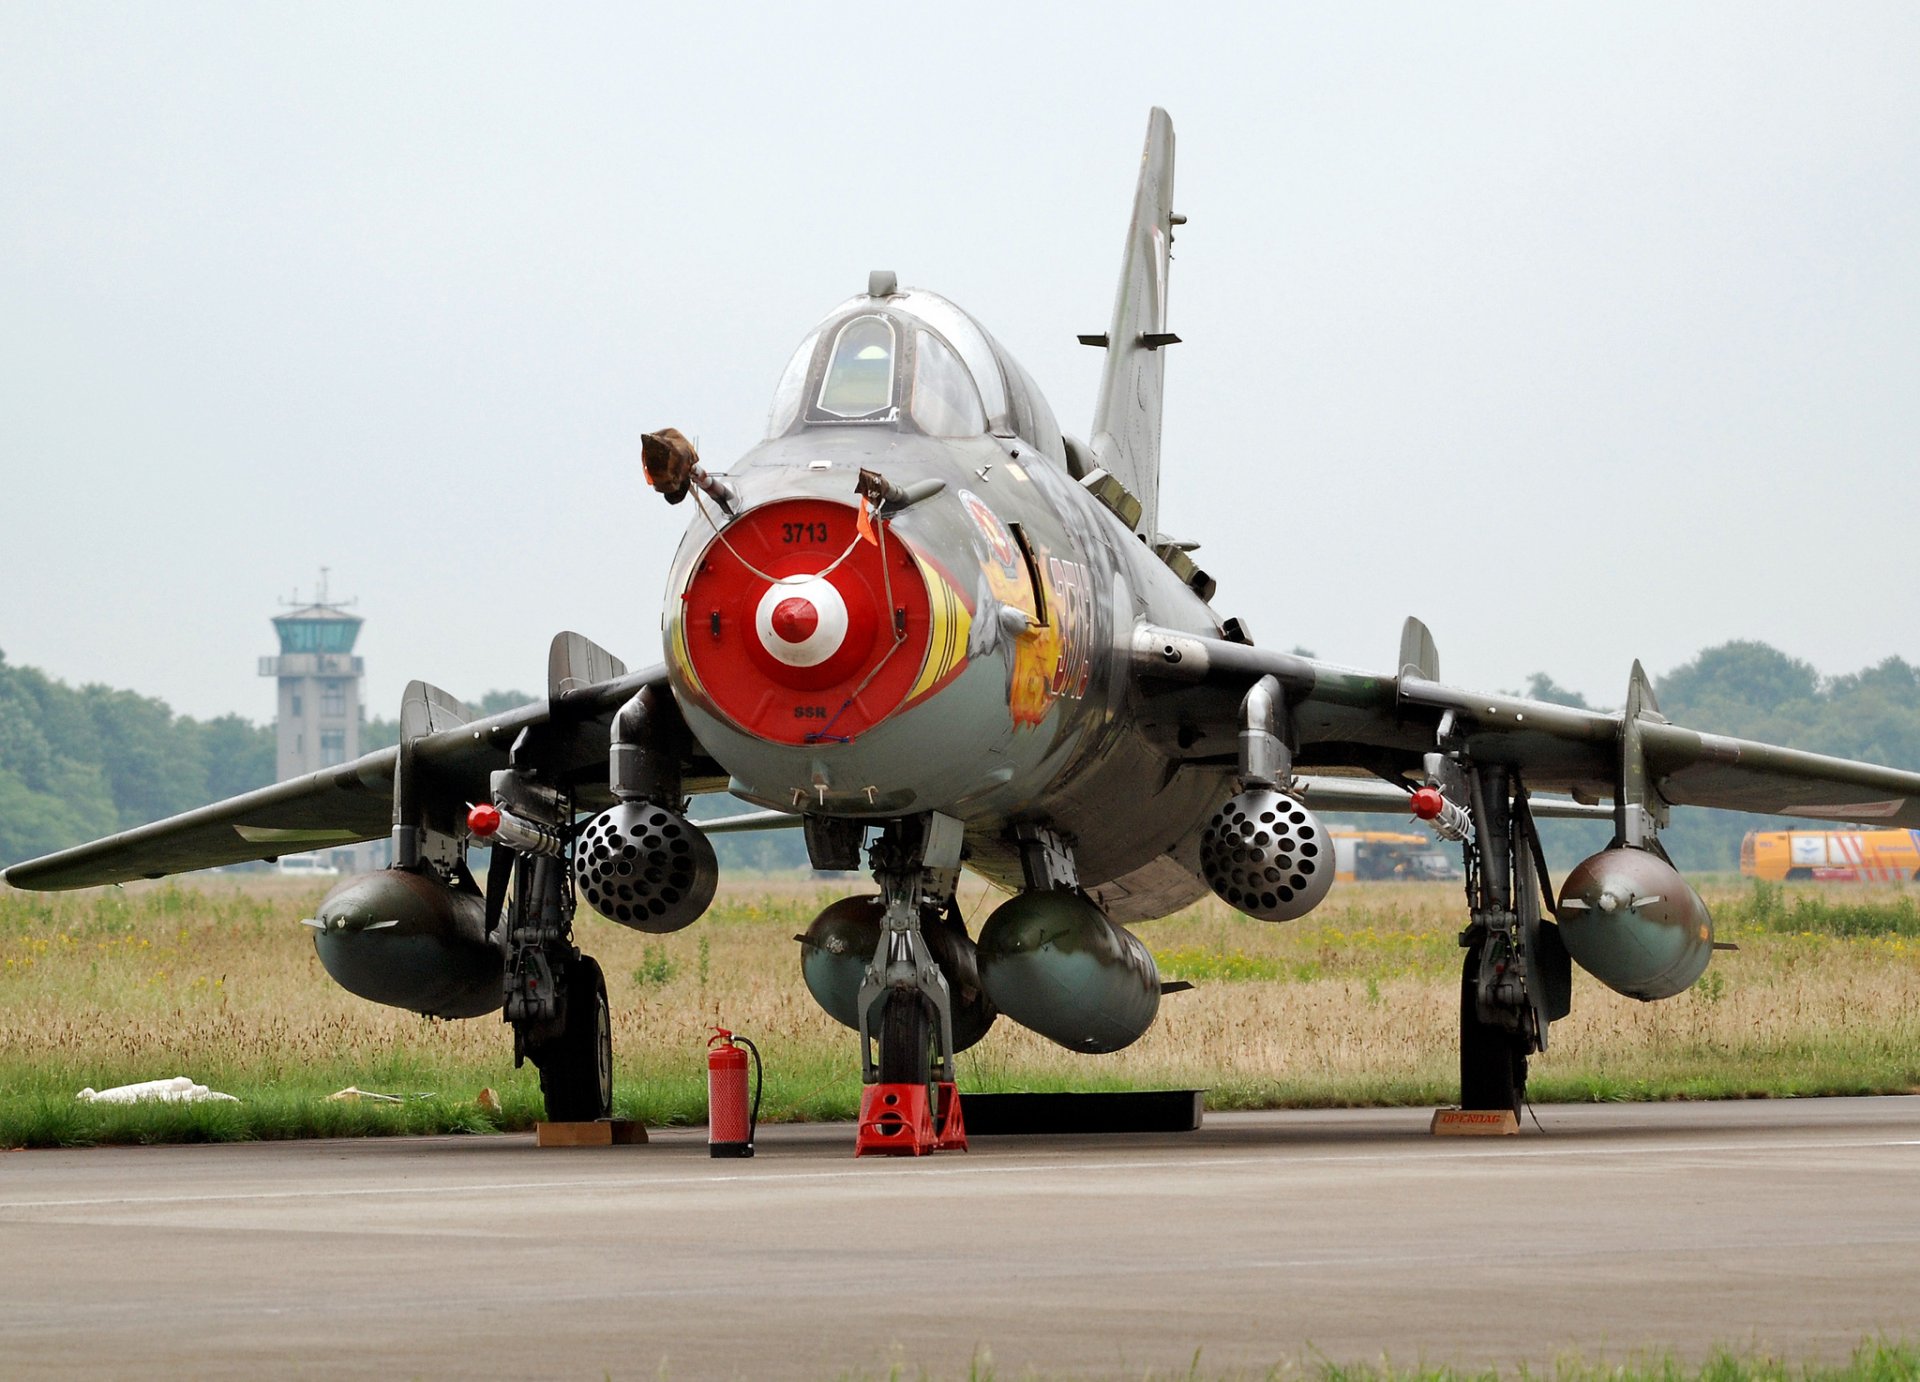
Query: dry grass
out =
(1877, 1359)
(216, 979)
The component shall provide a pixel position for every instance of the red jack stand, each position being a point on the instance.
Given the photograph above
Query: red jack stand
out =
(896, 1120)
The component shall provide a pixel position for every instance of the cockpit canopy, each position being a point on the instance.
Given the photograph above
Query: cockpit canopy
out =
(910, 360)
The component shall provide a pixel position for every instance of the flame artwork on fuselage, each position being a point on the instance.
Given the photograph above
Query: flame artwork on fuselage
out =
(1033, 657)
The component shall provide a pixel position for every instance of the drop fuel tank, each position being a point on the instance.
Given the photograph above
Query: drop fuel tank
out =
(1053, 962)
(409, 940)
(1629, 919)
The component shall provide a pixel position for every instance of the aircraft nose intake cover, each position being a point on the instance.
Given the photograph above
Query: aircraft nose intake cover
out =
(802, 620)
(800, 630)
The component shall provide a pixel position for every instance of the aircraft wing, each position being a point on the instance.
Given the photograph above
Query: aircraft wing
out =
(1385, 725)
(1686, 767)
(340, 806)
(354, 802)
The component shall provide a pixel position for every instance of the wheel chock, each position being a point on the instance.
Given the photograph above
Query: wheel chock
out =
(894, 1121)
(902, 1120)
(1474, 1122)
(603, 1132)
(949, 1127)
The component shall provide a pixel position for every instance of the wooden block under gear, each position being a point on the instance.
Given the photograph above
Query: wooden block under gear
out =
(1474, 1122)
(605, 1132)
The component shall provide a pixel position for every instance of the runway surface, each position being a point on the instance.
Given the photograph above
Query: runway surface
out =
(1263, 1238)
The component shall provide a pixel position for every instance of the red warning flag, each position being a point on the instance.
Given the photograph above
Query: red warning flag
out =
(863, 525)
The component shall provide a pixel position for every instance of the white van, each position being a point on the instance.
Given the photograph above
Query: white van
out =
(308, 866)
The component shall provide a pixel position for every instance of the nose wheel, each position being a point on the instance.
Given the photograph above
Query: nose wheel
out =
(906, 1041)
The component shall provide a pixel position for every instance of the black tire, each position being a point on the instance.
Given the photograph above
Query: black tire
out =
(906, 1040)
(576, 1067)
(1799, 875)
(1493, 1061)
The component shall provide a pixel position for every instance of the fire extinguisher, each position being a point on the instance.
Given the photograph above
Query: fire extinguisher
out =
(730, 1123)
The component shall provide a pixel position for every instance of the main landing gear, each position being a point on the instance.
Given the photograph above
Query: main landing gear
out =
(556, 997)
(1517, 977)
(576, 1063)
(909, 1105)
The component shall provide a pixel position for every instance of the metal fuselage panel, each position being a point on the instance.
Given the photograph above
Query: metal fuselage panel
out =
(1027, 726)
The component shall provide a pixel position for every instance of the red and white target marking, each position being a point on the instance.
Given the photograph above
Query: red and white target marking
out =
(794, 629)
(801, 620)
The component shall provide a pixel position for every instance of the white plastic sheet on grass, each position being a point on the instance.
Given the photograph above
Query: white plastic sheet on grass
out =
(178, 1090)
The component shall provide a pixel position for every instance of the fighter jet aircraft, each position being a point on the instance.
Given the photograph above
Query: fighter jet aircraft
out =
(942, 634)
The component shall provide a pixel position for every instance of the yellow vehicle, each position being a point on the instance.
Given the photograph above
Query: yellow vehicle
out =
(1384, 854)
(1831, 856)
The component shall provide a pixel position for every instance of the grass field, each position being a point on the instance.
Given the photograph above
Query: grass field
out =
(217, 980)
(1873, 1360)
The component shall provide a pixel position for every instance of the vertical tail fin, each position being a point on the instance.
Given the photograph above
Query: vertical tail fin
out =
(1126, 420)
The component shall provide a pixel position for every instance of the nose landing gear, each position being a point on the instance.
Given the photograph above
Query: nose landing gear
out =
(909, 1105)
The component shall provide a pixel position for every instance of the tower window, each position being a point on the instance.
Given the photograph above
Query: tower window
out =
(333, 699)
(298, 708)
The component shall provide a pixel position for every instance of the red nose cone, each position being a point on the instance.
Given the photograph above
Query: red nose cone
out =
(483, 820)
(799, 631)
(1428, 803)
(795, 620)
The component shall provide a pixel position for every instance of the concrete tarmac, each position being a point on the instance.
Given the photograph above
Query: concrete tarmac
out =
(1792, 1227)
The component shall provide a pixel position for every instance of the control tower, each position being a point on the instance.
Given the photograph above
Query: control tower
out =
(318, 716)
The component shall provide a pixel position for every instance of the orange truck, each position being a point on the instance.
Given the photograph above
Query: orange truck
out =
(1832, 856)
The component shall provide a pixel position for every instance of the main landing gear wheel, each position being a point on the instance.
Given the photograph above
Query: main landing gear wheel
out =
(906, 1040)
(1493, 1061)
(576, 1067)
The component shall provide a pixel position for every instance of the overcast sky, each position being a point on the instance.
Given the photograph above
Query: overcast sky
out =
(1586, 334)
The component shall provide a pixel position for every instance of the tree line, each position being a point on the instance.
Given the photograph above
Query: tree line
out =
(78, 764)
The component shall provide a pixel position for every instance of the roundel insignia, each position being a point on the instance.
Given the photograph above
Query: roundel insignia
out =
(999, 540)
(800, 631)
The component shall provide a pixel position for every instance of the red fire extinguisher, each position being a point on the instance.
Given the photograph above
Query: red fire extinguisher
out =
(730, 1122)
